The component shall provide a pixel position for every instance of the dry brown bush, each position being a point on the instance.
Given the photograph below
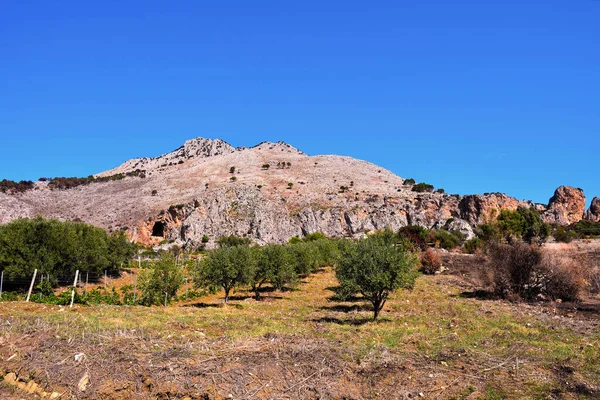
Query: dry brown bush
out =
(593, 277)
(564, 279)
(519, 270)
(431, 262)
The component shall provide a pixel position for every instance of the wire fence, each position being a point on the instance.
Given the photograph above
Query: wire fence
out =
(126, 280)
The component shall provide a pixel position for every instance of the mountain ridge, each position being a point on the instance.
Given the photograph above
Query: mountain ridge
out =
(268, 192)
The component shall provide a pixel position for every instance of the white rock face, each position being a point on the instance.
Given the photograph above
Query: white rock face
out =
(199, 148)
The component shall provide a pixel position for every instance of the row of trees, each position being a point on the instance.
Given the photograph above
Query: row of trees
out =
(60, 248)
(236, 263)
(374, 266)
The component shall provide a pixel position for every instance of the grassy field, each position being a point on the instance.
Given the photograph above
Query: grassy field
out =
(432, 342)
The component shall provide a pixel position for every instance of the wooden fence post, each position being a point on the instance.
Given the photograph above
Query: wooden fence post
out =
(31, 286)
(1, 283)
(74, 287)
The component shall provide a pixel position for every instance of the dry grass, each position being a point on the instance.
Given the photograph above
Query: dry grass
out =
(300, 344)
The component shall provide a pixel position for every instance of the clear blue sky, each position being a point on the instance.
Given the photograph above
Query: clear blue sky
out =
(467, 95)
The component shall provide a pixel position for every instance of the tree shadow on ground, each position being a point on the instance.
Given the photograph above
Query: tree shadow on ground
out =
(337, 297)
(345, 308)
(241, 297)
(204, 305)
(348, 322)
(478, 294)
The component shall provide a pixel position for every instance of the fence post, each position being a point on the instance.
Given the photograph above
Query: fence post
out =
(74, 287)
(1, 283)
(165, 300)
(186, 287)
(105, 280)
(87, 275)
(31, 286)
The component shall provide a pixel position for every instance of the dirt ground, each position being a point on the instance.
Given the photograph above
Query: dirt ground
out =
(436, 342)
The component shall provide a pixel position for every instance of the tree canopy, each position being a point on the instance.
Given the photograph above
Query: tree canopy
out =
(374, 267)
(59, 248)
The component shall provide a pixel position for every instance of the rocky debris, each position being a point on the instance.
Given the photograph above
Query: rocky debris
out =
(593, 213)
(566, 207)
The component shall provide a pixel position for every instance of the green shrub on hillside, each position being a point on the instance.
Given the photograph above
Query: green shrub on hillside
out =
(423, 187)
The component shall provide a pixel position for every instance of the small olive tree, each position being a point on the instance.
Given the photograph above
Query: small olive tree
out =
(226, 267)
(375, 267)
(162, 281)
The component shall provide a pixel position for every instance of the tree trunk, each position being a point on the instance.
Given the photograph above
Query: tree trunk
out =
(376, 309)
(378, 306)
(227, 295)
(256, 290)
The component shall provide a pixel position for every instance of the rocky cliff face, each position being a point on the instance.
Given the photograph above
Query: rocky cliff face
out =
(593, 214)
(567, 206)
(269, 192)
(480, 209)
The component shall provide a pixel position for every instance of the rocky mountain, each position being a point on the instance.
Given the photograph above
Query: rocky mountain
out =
(269, 192)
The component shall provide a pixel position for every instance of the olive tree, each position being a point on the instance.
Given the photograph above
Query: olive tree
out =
(374, 267)
(161, 282)
(226, 267)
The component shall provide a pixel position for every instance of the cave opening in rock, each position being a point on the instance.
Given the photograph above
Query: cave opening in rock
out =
(158, 229)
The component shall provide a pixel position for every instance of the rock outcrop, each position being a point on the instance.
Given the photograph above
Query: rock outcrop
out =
(566, 207)
(269, 193)
(593, 213)
(480, 209)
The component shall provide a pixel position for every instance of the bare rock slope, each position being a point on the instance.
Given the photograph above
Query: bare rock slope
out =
(269, 192)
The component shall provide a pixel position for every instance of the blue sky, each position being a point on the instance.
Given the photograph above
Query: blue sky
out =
(470, 96)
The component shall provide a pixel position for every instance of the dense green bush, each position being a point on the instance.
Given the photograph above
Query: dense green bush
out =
(565, 235)
(471, 246)
(523, 223)
(445, 239)
(60, 248)
(423, 187)
(587, 229)
(232, 241)
(160, 282)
